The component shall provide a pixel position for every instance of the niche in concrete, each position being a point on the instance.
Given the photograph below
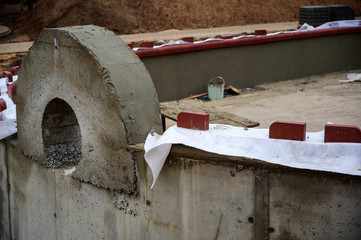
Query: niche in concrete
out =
(61, 135)
(103, 91)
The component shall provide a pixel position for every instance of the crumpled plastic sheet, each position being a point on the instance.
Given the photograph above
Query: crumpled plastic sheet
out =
(352, 77)
(8, 125)
(312, 153)
(339, 24)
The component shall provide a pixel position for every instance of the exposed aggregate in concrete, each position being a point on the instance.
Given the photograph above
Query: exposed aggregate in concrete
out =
(124, 205)
(63, 154)
(121, 204)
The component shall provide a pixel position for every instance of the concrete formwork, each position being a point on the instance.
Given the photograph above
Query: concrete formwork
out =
(182, 74)
(198, 195)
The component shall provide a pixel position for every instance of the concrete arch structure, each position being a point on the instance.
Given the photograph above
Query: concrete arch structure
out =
(107, 87)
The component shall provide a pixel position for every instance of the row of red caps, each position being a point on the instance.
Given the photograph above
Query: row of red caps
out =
(11, 85)
(280, 129)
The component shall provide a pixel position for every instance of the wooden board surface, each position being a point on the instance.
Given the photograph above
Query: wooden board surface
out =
(172, 109)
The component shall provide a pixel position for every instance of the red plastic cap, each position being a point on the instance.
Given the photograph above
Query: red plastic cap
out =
(8, 75)
(188, 39)
(260, 32)
(193, 120)
(288, 130)
(12, 89)
(342, 133)
(15, 70)
(146, 44)
(2, 105)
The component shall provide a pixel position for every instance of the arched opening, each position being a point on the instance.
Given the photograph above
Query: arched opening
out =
(61, 135)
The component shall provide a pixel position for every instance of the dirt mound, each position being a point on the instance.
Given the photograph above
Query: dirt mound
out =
(135, 16)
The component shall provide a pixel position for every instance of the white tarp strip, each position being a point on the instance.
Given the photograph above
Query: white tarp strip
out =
(227, 140)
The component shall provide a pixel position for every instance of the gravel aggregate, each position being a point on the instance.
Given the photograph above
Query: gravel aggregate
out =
(64, 154)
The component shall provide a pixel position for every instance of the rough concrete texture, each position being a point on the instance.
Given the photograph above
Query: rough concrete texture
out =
(107, 87)
(177, 76)
(192, 200)
(308, 206)
(198, 195)
(4, 195)
(45, 204)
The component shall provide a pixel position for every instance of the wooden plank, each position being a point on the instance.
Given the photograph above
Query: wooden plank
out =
(171, 116)
(235, 90)
(172, 109)
(196, 96)
(19, 47)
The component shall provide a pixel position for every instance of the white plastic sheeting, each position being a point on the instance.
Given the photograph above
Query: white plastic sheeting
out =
(352, 77)
(8, 116)
(340, 24)
(227, 140)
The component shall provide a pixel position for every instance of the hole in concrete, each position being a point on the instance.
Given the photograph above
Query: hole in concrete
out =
(61, 135)
(250, 220)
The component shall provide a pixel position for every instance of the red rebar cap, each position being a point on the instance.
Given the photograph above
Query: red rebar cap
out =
(193, 120)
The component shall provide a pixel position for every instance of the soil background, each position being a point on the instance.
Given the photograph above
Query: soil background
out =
(137, 16)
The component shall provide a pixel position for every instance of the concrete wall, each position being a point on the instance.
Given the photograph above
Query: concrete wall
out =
(4, 195)
(179, 75)
(198, 196)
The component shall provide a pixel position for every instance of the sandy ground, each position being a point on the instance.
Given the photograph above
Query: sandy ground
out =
(315, 100)
(129, 17)
(8, 61)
